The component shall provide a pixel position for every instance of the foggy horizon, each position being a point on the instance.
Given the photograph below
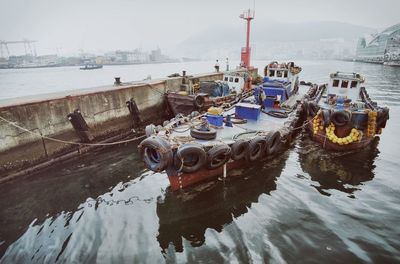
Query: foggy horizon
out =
(72, 27)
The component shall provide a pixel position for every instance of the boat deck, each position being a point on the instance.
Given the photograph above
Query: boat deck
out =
(225, 134)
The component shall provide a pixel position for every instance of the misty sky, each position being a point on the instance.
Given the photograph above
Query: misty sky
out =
(102, 25)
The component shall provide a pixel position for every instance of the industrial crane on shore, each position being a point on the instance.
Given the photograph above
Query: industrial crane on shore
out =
(27, 46)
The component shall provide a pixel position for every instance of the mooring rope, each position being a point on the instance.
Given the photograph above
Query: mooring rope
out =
(70, 142)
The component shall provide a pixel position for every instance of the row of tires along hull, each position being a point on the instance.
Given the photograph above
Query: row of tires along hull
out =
(158, 154)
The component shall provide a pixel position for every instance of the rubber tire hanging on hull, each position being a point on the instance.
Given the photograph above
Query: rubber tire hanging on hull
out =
(240, 149)
(150, 130)
(217, 156)
(156, 153)
(312, 108)
(197, 154)
(258, 146)
(273, 142)
(199, 102)
(326, 117)
(383, 117)
(341, 118)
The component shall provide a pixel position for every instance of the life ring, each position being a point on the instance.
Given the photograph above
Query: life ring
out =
(190, 157)
(240, 149)
(257, 148)
(326, 117)
(218, 155)
(273, 142)
(340, 118)
(203, 134)
(312, 108)
(150, 130)
(199, 101)
(156, 153)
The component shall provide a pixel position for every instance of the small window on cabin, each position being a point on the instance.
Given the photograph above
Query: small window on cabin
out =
(231, 79)
(335, 83)
(236, 80)
(353, 84)
(271, 73)
(345, 84)
(226, 79)
(285, 74)
(279, 74)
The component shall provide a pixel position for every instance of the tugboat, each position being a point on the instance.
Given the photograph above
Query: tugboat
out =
(233, 86)
(341, 116)
(202, 95)
(91, 66)
(201, 147)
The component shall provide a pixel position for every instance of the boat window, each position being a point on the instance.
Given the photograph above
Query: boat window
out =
(236, 80)
(226, 79)
(231, 79)
(335, 83)
(271, 73)
(353, 84)
(345, 84)
(278, 73)
(285, 74)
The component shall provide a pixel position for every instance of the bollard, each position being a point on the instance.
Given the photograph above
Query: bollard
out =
(134, 111)
(80, 125)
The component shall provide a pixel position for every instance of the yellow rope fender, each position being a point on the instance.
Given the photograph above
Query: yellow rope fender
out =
(354, 135)
(372, 115)
(317, 123)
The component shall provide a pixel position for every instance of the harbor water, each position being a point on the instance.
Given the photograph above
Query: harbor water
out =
(305, 206)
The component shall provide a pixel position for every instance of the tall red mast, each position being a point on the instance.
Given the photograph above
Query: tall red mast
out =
(247, 15)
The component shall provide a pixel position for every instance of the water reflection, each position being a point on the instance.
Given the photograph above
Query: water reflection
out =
(57, 193)
(213, 205)
(343, 171)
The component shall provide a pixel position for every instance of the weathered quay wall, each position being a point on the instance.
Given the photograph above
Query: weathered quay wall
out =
(103, 108)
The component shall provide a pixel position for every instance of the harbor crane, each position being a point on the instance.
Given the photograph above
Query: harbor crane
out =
(27, 46)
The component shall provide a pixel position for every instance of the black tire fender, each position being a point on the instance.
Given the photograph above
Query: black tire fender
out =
(383, 117)
(190, 157)
(199, 101)
(156, 153)
(205, 135)
(240, 149)
(312, 108)
(273, 142)
(326, 117)
(218, 155)
(340, 118)
(257, 149)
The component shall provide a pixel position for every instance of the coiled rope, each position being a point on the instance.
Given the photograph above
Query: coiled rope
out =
(70, 142)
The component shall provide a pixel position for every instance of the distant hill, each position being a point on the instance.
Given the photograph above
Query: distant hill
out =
(226, 40)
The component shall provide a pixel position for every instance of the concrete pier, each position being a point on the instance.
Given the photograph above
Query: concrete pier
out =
(103, 108)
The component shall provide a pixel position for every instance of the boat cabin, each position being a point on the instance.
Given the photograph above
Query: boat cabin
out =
(345, 85)
(279, 83)
(237, 81)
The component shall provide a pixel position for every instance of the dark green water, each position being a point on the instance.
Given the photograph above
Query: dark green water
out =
(306, 206)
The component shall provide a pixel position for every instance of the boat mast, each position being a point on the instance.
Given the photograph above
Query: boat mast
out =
(247, 15)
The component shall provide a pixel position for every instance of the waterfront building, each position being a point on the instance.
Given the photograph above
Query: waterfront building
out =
(383, 47)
